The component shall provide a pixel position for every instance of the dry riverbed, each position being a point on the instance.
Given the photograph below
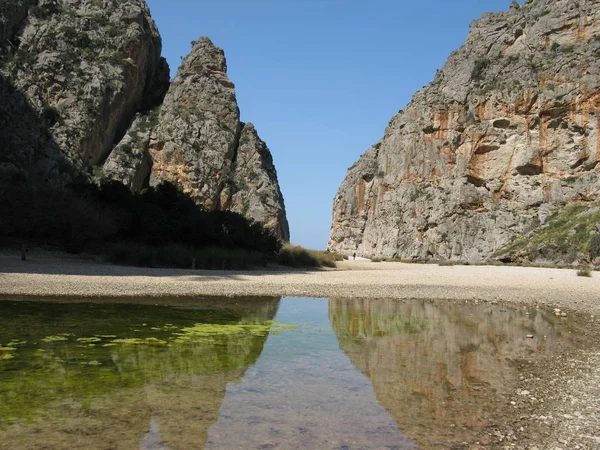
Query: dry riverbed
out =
(556, 403)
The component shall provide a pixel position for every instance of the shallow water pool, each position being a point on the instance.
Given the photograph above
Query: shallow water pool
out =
(262, 373)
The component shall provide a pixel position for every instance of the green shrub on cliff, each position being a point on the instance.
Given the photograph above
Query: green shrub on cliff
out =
(594, 246)
(479, 69)
(567, 236)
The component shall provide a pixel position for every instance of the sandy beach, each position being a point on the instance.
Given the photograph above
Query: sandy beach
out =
(569, 385)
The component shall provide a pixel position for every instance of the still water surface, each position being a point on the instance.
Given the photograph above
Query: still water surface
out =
(262, 373)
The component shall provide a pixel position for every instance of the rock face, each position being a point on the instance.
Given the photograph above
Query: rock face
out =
(83, 93)
(84, 68)
(507, 133)
(253, 190)
(196, 139)
(12, 14)
(130, 162)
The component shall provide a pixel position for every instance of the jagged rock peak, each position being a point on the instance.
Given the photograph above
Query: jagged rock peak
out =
(196, 140)
(205, 56)
(507, 133)
(198, 128)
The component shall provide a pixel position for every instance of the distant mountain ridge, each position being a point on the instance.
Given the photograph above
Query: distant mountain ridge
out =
(504, 138)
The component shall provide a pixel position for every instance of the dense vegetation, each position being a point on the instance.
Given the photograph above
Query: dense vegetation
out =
(162, 226)
(297, 256)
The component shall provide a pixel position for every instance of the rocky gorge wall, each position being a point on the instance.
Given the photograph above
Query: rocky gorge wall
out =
(85, 68)
(85, 94)
(196, 139)
(505, 135)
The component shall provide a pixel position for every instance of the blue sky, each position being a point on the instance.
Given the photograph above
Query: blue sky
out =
(320, 79)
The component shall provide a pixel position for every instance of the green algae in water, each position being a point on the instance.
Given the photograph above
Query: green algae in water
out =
(71, 351)
(140, 341)
(208, 333)
(185, 339)
(278, 327)
(90, 363)
(203, 330)
(89, 340)
(56, 338)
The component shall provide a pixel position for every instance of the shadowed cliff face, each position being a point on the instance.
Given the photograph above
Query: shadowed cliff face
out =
(441, 370)
(506, 133)
(253, 189)
(83, 97)
(86, 67)
(12, 14)
(102, 384)
(27, 147)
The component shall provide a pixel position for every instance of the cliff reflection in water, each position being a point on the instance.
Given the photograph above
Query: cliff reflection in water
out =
(81, 376)
(440, 369)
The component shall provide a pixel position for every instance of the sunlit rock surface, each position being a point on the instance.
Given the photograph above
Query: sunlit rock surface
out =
(507, 132)
(196, 140)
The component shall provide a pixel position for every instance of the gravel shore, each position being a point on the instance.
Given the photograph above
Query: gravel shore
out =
(569, 418)
(43, 275)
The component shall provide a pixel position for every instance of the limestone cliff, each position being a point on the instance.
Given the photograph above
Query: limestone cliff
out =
(12, 14)
(253, 190)
(196, 139)
(506, 134)
(82, 90)
(80, 69)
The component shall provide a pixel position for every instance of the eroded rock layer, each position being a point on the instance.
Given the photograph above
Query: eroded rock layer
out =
(507, 133)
